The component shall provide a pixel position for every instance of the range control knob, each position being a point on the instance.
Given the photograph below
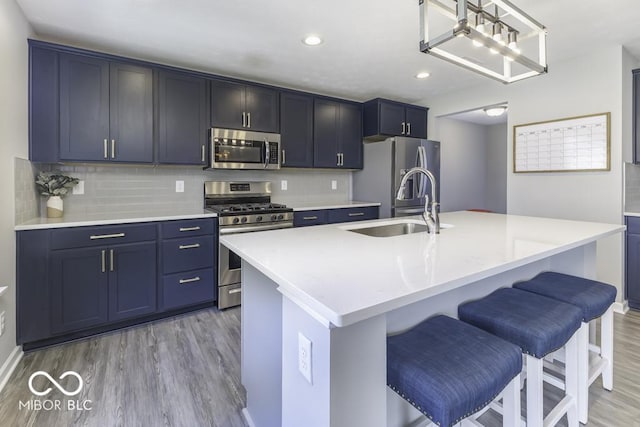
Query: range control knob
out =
(274, 217)
(236, 220)
(258, 218)
(244, 219)
(280, 216)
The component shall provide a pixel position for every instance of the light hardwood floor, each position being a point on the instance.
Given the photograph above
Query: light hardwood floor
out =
(185, 371)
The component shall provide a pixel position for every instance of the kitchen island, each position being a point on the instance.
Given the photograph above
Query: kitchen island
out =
(346, 291)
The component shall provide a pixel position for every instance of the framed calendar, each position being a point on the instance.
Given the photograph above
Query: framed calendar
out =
(575, 144)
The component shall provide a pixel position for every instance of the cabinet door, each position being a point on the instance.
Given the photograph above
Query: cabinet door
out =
(262, 108)
(416, 119)
(132, 280)
(182, 119)
(84, 108)
(325, 133)
(636, 116)
(296, 130)
(44, 102)
(391, 118)
(227, 105)
(633, 270)
(79, 289)
(131, 113)
(350, 136)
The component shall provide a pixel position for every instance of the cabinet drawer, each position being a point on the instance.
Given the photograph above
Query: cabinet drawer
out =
(187, 227)
(304, 218)
(187, 288)
(78, 237)
(186, 254)
(352, 214)
(633, 225)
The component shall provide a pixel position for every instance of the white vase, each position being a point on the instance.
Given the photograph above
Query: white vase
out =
(54, 207)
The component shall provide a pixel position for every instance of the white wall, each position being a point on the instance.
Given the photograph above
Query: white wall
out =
(496, 178)
(463, 163)
(14, 31)
(583, 85)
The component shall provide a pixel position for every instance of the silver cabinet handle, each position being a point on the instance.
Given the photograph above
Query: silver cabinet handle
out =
(194, 246)
(244, 119)
(113, 148)
(248, 120)
(193, 279)
(404, 127)
(408, 128)
(106, 236)
(189, 229)
(111, 268)
(104, 260)
(338, 159)
(284, 157)
(357, 214)
(309, 218)
(202, 157)
(235, 291)
(106, 149)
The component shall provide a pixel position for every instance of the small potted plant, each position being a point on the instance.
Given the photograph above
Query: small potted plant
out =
(54, 185)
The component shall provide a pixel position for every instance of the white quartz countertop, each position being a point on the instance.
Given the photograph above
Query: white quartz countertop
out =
(632, 213)
(318, 205)
(345, 277)
(112, 218)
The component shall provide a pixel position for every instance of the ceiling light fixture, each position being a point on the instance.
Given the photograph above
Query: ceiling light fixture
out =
(422, 75)
(495, 111)
(506, 19)
(312, 40)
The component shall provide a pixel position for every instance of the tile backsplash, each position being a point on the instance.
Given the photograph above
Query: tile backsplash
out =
(27, 199)
(632, 187)
(122, 189)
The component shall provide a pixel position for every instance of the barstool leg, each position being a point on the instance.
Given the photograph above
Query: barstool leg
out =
(583, 373)
(511, 403)
(571, 380)
(535, 414)
(606, 347)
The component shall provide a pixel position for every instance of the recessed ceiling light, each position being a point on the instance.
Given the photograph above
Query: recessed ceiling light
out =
(422, 75)
(312, 40)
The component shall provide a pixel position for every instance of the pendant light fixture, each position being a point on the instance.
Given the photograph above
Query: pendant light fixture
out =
(484, 37)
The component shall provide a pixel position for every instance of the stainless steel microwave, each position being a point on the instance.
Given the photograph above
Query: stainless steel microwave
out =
(241, 149)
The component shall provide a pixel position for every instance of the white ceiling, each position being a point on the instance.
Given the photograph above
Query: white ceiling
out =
(370, 47)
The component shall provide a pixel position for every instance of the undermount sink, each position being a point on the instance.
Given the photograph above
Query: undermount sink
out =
(395, 229)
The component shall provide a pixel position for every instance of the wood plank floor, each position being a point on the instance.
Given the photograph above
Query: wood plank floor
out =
(185, 371)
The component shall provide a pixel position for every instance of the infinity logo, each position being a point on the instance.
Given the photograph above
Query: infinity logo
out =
(55, 383)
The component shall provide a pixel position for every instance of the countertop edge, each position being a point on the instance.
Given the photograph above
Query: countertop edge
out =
(110, 221)
(336, 205)
(626, 213)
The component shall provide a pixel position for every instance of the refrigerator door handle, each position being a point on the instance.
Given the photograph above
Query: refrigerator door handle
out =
(422, 162)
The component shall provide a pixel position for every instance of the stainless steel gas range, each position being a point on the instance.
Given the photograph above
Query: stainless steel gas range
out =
(242, 207)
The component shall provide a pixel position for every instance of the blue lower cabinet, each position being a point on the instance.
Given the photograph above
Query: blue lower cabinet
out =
(188, 288)
(187, 254)
(633, 262)
(305, 218)
(352, 214)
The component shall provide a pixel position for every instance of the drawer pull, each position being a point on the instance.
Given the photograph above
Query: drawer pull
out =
(106, 236)
(195, 245)
(235, 291)
(189, 228)
(309, 218)
(193, 279)
(357, 214)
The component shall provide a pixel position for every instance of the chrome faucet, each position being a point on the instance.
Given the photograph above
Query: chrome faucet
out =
(430, 214)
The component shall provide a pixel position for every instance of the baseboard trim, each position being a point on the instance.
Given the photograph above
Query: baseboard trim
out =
(9, 366)
(247, 417)
(621, 307)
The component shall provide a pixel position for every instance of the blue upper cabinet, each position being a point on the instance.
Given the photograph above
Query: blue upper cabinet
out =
(337, 134)
(296, 130)
(241, 106)
(106, 111)
(384, 118)
(182, 118)
(636, 116)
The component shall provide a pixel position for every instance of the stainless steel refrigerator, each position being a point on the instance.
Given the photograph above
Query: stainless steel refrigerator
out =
(385, 163)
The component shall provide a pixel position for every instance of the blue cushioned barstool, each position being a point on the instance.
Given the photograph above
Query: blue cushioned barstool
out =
(595, 299)
(450, 370)
(539, 326)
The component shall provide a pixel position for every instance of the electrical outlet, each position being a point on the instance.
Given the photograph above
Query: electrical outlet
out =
(304, 356)
(334, 184)
(78, 188)
(2, 323)
(283, 185)
(179, 186)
